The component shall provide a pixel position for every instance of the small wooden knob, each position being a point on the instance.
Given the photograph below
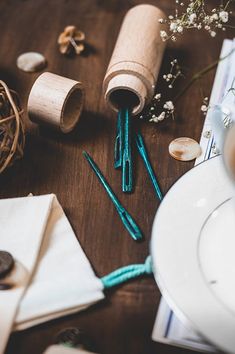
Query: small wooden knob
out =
(56, 101)
(134, 66)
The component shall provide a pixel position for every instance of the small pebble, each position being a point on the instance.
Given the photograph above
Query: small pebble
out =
(31, 62)
(184, 149)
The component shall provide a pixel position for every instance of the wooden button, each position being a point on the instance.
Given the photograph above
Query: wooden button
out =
(6, 263)
(184, 149)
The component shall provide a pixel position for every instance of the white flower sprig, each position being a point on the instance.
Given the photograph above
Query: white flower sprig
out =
(166, 111)
(157, 111)
(159, 108)
(174, 74)
(204, 106)
(195, 15)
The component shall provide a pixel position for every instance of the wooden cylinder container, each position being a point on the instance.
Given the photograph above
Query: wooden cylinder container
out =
(136, 59)
(56, 101)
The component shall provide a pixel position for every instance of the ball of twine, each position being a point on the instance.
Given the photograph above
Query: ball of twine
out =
(12, 136)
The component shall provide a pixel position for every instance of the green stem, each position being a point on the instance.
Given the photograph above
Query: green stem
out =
(200, 74)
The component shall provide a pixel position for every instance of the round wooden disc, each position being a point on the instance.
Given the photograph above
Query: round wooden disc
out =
(184, 149)
(31, 62)
(6, 263)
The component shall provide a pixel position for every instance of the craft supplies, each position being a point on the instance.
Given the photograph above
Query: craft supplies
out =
(126, 273)
(129, 83)
(31, 62)
(122, 150)
(184, 149)
(118, 150)
(143, 153)
(12, 137)
(126, 218)
(127, 182)
(56, 101)
(71, 40)
(136, 59)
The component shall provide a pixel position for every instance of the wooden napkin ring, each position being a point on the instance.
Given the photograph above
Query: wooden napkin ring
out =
(56, 101)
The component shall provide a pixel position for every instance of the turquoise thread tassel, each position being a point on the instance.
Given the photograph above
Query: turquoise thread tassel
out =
(126, 273)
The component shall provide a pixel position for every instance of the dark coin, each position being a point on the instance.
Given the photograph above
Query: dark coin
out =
(71, 336)
(6, 263)
(74, 337)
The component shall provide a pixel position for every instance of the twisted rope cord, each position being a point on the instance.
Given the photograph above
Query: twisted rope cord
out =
(12, 137)
(126, 273)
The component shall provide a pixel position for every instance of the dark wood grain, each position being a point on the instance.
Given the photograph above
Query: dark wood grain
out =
(121, 324)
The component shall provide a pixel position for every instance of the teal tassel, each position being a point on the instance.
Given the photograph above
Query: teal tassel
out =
(129, 272)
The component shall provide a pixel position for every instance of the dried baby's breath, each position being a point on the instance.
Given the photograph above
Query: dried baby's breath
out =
(194, 14)
(160, 107)
(204, 106)
(71, 40)
(173, 74)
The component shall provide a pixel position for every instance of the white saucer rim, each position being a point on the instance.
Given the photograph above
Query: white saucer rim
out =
(179, 312)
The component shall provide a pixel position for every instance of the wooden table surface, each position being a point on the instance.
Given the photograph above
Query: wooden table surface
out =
(53, 163)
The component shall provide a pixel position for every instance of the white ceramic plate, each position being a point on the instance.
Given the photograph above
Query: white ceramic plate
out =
(193, 251)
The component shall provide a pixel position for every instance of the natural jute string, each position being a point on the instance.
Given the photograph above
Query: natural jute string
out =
(12, 136)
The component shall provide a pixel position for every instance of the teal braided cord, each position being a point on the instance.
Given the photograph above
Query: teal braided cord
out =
(124, 274)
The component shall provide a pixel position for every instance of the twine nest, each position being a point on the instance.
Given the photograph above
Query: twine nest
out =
(12, 136)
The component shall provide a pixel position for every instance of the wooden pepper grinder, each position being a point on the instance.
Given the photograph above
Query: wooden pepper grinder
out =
(129, 83)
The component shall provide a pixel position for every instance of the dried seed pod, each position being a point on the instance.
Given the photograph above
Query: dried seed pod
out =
(63, 38)
(79, 36)
(69, 30)
(79, 48)
(65, 48)
(184, 149)
(71, 39)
